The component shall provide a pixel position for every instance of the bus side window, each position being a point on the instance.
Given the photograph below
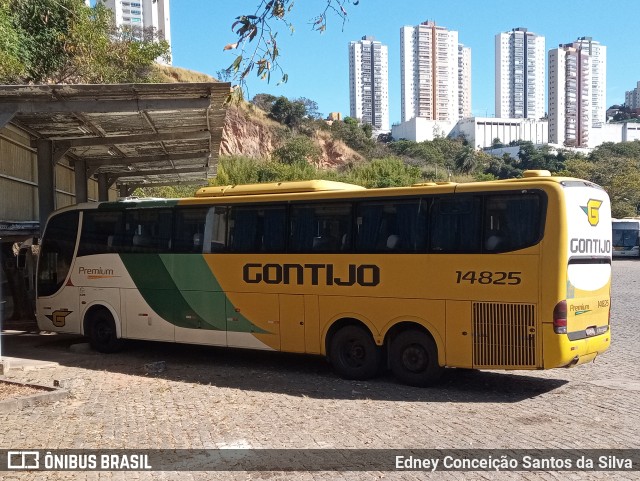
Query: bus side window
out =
(512, 221)
(322, 227)
(215, 230)
(391, 225)
(148, 230)
(101, 232)
(455, 224)
(188, 232)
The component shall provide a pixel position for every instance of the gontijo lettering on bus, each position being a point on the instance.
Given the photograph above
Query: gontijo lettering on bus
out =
(366, 275)
(590, 246)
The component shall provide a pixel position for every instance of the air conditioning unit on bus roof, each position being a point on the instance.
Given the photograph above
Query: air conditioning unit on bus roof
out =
(277, 188)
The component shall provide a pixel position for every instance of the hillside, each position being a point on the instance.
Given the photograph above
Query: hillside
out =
(170, 74)
(249, 132)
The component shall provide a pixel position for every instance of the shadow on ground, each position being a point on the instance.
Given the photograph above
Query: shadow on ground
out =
(291, 374)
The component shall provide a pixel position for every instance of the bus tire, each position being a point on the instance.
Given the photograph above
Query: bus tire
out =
(413, 358)
(353, 353)
(103, 336)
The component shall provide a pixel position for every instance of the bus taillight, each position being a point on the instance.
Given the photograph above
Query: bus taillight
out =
(560, 318)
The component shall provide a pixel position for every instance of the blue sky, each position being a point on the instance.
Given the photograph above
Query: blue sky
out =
(317, 64)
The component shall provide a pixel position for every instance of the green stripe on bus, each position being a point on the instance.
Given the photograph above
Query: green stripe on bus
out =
(183, 291)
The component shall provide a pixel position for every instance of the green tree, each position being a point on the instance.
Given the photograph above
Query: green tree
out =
(286, 112)
(615, 167)
(298, 149)
(12, 68)
(355, 136)
(264, 101)
(64, 41)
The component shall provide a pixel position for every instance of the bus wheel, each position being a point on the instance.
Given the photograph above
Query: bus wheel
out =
(103, 336)
(413, 358)
(354, 354)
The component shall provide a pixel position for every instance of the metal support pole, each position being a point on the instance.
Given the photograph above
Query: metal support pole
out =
(46, 181)
(82, 191)
(103, 187)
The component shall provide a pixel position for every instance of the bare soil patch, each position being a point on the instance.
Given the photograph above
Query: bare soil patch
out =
(9, 390)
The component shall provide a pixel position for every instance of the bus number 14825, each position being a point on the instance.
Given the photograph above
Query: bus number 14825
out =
(488, 277)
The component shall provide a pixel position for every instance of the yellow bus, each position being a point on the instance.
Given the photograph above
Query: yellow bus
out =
(511, 274)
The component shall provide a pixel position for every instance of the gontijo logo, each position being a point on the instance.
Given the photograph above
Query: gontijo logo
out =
(592, 209)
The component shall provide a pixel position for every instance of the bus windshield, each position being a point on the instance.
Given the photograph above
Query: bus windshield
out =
(625, 234)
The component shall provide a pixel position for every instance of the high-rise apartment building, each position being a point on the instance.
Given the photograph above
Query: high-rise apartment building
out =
(632, 98)
(598, 57)
(570, 95)
(520, 74)
(464, 82)
(430, 72)
(369, 82)
(143, 13)
(577, 85)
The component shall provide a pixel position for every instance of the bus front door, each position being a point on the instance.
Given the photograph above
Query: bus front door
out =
(253, 320)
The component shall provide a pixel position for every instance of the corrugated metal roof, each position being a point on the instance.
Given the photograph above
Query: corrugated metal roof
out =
(135, 133)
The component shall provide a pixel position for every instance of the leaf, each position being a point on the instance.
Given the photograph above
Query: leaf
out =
(343, 10)
(253, 33)
(230, 46)
(236, 63)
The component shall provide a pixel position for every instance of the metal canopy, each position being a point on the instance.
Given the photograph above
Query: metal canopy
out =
(129, 134)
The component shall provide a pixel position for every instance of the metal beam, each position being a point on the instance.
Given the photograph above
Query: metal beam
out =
(46, 181)
(99, 106)
(133, 139)
(144, 173)
(124, 161)
(5, 117)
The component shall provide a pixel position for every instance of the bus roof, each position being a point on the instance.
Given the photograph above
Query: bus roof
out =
(274, 191)
(276, 188)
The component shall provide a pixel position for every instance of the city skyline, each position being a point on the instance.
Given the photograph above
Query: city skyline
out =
(323, 76)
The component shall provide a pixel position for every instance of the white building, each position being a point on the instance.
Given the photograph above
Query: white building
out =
(482, 131)
(369, 82)
(464, 81)
(632, 98)
(430, 74)
(570, 114)
(143, 13)
(478, 131)
(520, 74)
(598, 58)
(577, 100)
